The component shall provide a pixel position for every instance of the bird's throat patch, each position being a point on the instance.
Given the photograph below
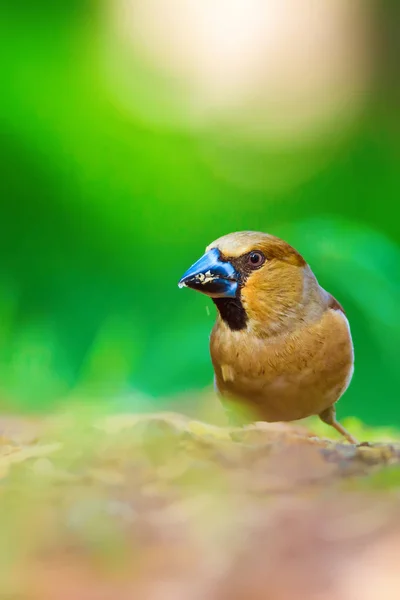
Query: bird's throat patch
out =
(232, 312)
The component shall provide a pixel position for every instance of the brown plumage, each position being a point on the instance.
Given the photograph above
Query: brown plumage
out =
(281, 345)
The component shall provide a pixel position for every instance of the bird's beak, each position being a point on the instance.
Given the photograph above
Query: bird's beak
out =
(212, 276)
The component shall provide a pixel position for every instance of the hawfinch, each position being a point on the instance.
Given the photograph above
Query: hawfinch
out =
(281, 346)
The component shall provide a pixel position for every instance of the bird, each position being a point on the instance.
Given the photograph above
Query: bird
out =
(281, 346)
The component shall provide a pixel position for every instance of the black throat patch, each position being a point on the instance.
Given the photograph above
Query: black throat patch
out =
(232, 312)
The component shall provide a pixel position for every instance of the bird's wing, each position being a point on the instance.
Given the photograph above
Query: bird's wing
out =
(334, 304)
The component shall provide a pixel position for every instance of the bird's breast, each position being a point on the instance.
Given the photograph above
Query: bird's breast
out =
(287, 377)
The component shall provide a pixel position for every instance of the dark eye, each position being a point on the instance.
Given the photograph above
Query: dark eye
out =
(256, 259)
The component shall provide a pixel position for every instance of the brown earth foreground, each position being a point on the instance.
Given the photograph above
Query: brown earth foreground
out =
(165, 508)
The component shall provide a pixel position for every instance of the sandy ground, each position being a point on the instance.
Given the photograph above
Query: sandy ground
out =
(162, 507)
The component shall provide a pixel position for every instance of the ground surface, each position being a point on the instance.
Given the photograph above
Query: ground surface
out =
(163, 507)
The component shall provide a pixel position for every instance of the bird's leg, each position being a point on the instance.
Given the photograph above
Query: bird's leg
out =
(328, 416)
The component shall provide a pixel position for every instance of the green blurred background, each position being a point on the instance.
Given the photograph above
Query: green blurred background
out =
(137, 131)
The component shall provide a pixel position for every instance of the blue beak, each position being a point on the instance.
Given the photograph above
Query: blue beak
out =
(212, 276)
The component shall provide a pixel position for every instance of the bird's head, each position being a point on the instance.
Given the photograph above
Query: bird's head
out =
(255, 279)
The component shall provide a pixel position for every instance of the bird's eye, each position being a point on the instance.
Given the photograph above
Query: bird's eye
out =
(256, 259)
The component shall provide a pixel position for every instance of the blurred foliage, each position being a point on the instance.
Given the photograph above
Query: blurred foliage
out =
(103, 208)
